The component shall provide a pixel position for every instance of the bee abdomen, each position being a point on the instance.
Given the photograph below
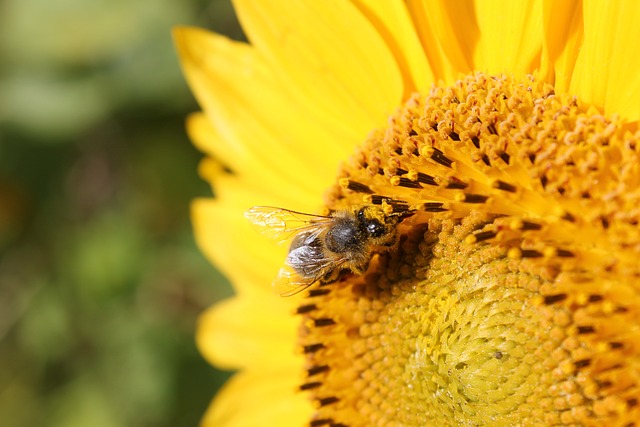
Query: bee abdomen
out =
(304, 255)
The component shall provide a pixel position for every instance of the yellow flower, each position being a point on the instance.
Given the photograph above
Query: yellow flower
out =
(507, 134)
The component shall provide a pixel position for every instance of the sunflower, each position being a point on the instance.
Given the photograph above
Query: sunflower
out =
(504, 134)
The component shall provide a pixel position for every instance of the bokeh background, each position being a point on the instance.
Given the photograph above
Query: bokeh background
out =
(100, 279)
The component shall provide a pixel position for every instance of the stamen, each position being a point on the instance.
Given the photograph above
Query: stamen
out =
(474, 198)
(552, 299)
(321, 422)
(433, 207)
(530, 253)
(586, 329)
(318, 292)
(357, 187)
(309, 386)
(426, 179)
(318, 323)
(528, 225)
(505, 157)
(455, 184)
(327, 401)
(306, 308)
(312, 348)
(504, 186)
(405, 182)
(563, 253)
(439, 157)
(582, 364)
(317, 370)
(482, 236)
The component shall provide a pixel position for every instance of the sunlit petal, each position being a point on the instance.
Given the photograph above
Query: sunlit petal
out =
(606, 71)
(340, 62)
(250, 331)
(393, 22)
(510, 36)
(270, 395)
(449, 33)
(563, 28)
(244, 102)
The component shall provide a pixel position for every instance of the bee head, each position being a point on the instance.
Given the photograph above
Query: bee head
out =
(371, 223)
(378, 225)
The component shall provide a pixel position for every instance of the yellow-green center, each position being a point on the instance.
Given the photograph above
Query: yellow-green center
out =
(514, 295)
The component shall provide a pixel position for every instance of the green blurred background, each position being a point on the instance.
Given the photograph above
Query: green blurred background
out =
(100, 280)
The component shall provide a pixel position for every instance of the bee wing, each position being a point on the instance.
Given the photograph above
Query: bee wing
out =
(288, 282)
(305, 266)
(281, 224)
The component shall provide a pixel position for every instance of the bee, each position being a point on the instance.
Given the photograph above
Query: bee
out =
(322, 246)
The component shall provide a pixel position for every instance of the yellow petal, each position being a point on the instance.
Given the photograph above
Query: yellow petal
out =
(248, 259)
(563, 34)
(511, 34)
(258, 177)
(606, 71)
(392, 20)
(249, 331)
(327, 53)
(259, 399)
(255, 121)
(449, 33)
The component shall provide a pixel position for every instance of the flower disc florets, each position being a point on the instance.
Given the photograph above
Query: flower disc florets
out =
(513, 296)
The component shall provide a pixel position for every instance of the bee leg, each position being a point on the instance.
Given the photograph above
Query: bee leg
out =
(391, 243)
(362, 268)
(340, 274)
(332, 275)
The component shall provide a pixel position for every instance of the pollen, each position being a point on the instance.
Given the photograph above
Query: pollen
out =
(513, 294)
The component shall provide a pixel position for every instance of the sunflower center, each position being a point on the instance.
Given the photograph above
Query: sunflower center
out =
(503, 302)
